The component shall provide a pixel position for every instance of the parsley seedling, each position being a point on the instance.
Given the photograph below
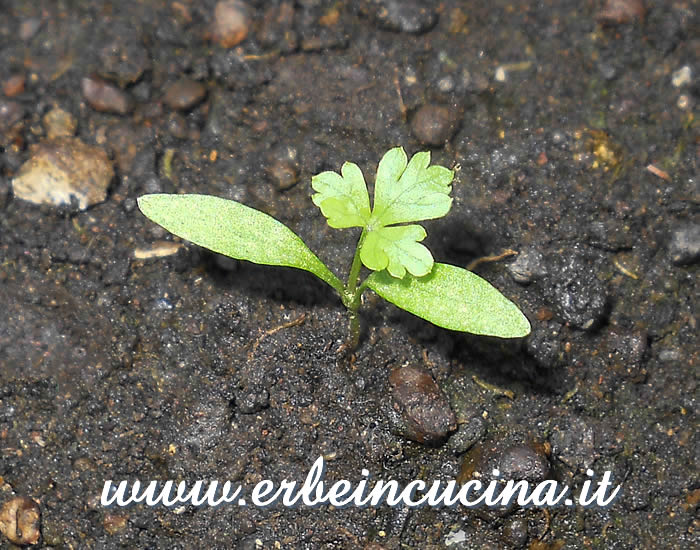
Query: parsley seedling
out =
(402, 269)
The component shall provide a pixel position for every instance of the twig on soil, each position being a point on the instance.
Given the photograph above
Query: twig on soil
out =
(622, 269)
(571, 392)
(402, 105)
(293, 323)
(505, 254)
(658, 172)
(493, 388)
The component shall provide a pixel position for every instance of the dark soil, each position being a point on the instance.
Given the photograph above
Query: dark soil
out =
(188, 367)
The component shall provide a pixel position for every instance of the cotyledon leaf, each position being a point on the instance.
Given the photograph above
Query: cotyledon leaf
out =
(230, 228)
(453, 298)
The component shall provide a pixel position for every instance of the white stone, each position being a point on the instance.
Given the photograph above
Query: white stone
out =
(681, 77)
(63, 170)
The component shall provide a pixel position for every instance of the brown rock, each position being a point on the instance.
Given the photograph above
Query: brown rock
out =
(184, 94)
(621, 11)
(231, 23)
(425, 411)
(284, 174)
(64, 170)
(517, 461)
(105, 97)
(434, 124)
(20, 520)
(283, 168)
(14, 85)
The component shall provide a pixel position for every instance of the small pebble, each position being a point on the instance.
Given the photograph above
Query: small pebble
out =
(177, 125)
(282, 167)
(14, 85)
(105, 97)
(410, 16)
(621, 11)
(20, 519)
(184, 94)
(29, 27)
(527, 266)
(163, 304)
(62, 171)
(59, 123)
(231, 23)
(681, 77)
(574, 290)
(685, 244)
(446, 84)
(284, 173)
(425, 412)
(467, 434)
(683, 102)
(523, 462)
(434, 124)
(513, 461)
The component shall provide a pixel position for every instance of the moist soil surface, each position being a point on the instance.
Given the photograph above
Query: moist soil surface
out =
(128, 354)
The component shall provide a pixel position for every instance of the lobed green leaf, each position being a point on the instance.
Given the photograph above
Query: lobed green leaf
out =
(397, 249)
(343, 200)
(453, 298)
(230, 228)
(410, 192)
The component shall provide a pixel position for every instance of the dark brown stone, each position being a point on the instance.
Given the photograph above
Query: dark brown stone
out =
(184, 94)
(434, 124)
(426, 413)
(105, 97)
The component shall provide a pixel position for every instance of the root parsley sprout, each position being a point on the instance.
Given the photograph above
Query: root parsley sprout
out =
(402, 269)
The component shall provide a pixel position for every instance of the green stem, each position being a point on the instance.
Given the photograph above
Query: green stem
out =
(356, 266)
(352, 294)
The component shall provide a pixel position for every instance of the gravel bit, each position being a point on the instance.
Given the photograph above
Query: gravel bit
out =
(574, 290)
(685, 244)
(20, 520)
(411, 16)
(426, 416)
(105, 97)
(64, 171)
(184, 94)
(434, 124)
(231, 23)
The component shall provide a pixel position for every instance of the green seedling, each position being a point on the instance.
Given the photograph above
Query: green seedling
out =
(402, 269)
